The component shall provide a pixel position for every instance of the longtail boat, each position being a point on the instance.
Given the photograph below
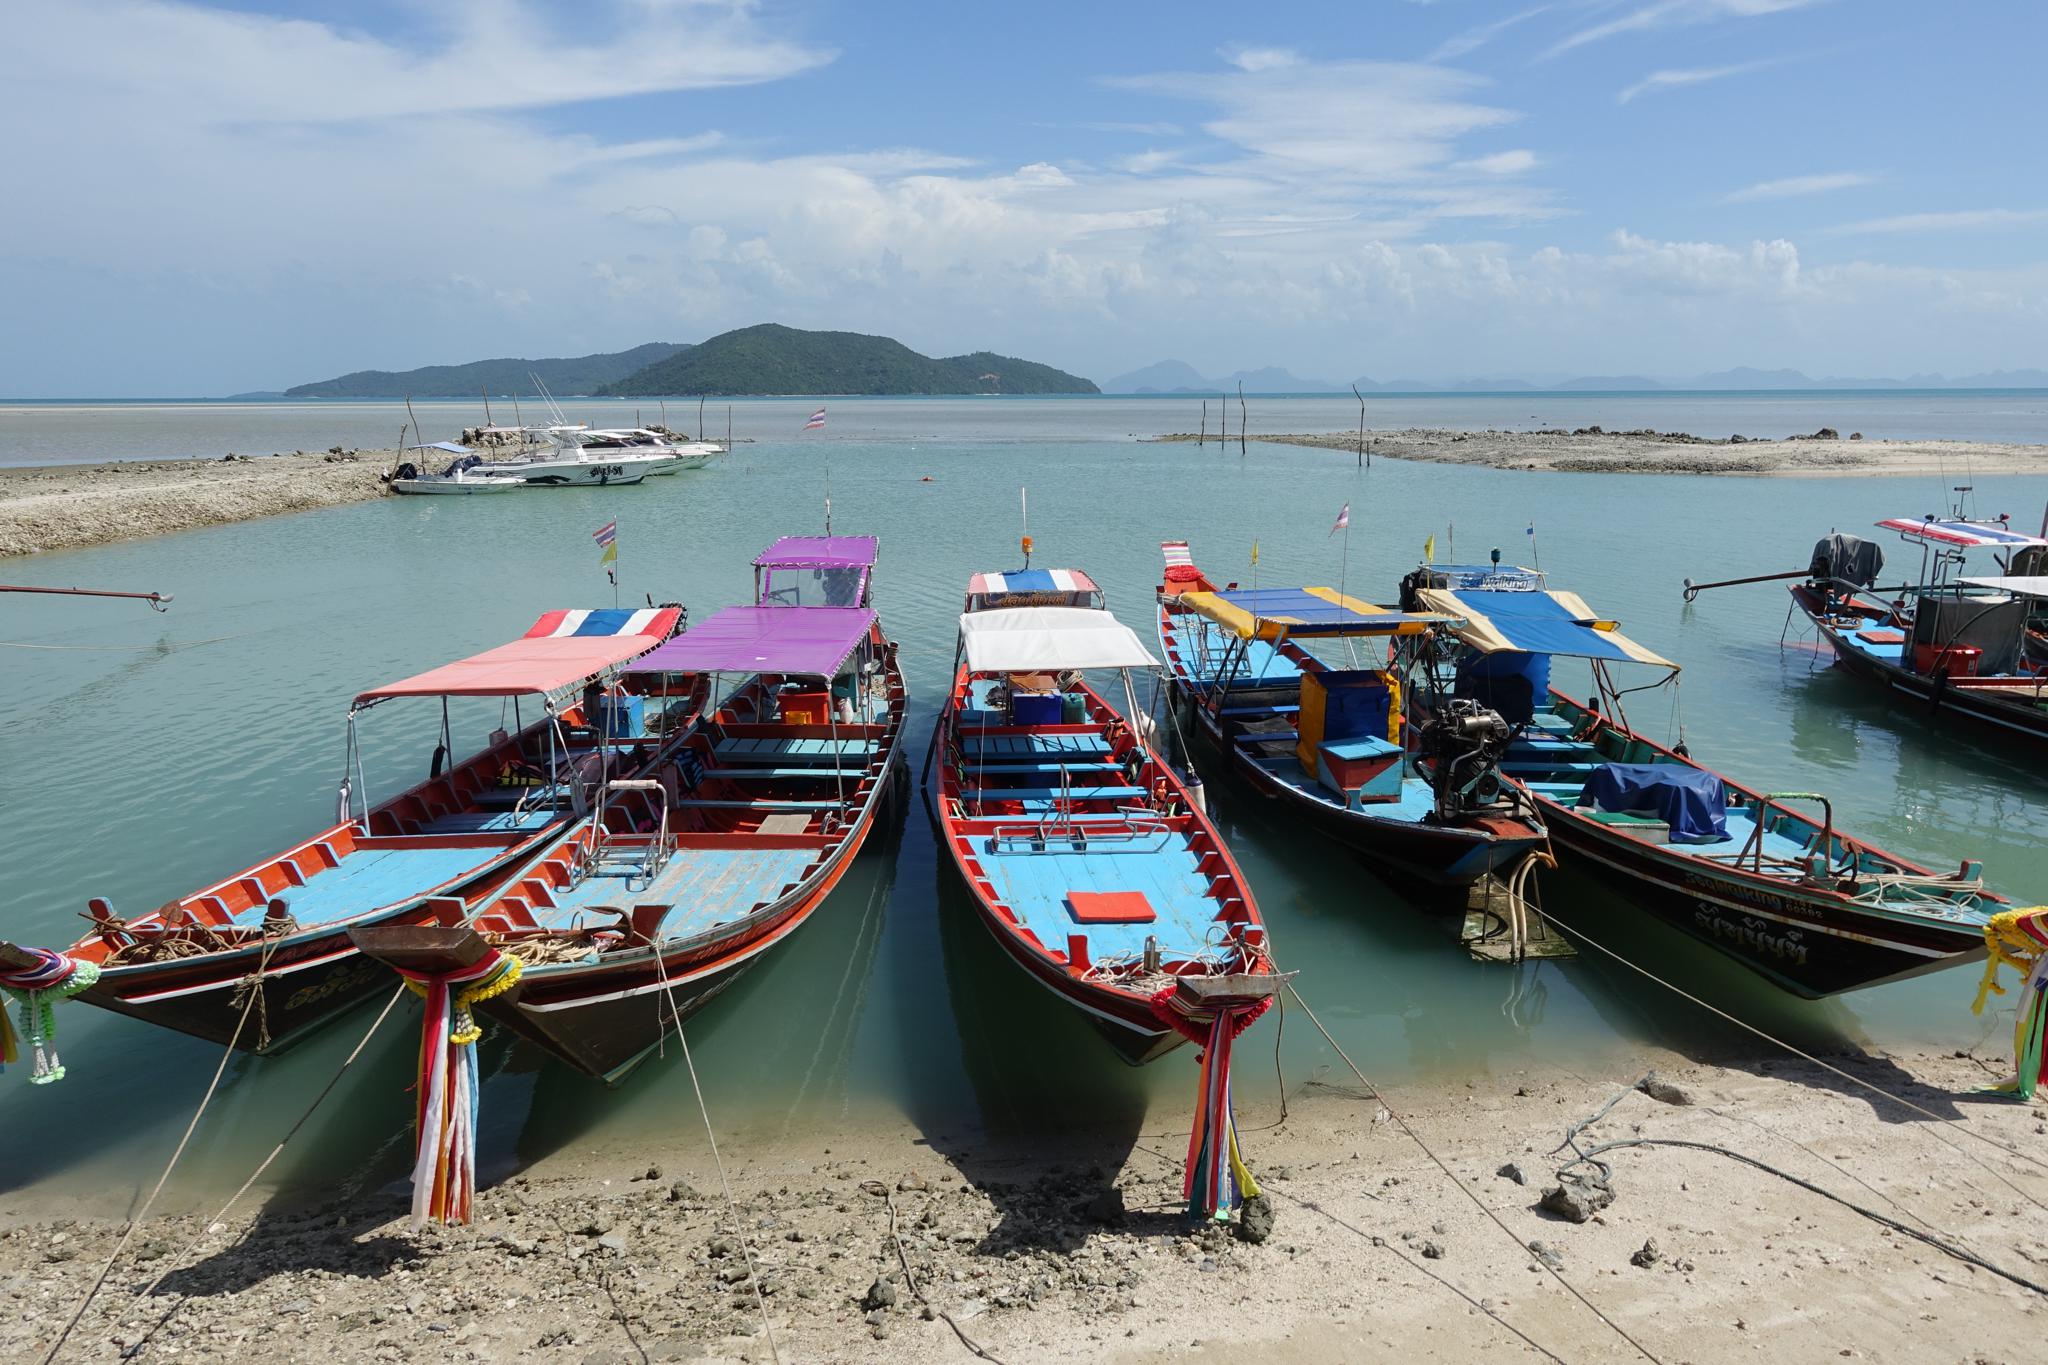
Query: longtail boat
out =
(1327, 741)
(1969, 647)
(1084, 855)
(691, 871)
(281, 928)
(1780, 890)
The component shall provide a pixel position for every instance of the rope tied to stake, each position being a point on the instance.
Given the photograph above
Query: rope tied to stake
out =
(2019, 939)
(35, 991)
(445, 1122)
(1217, 1180)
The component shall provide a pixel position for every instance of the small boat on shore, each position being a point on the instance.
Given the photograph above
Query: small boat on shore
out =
(281, 928)
(1327, 741)
(1085, 856)
(1779, 889)
(728, 843)
(1968, 647)
(460, 479)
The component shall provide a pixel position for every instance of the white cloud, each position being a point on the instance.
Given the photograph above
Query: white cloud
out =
(492, 55)
(1672, 13)
(1797, 185)
(186, 223)
(1262, 58)
(1659, 81)
(1502, 163)
(1947, 221)
(1472, 39)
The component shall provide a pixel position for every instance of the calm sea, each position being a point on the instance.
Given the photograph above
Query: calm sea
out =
(59, 433)
(142, 755)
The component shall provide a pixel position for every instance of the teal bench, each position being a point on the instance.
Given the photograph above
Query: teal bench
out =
(978, 794)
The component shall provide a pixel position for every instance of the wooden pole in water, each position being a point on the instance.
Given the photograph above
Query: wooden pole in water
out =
(664, 414)
(1202, 438)
(1240, 417)
(728, 428)
(487, 405)
(700, 416)
(1361, 425)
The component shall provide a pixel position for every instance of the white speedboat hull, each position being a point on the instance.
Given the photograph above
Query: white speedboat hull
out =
(436, 483)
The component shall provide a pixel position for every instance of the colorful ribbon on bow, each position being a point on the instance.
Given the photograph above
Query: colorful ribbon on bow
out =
(444, 1170)
(35, 990)
(1217, 1179)
(2019, 939)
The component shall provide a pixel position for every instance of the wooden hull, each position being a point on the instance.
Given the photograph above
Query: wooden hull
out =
(306, 978)
(1809, 939)
(605, 1019)
(1980, 705)
(1125, 1018)
(306, 981)
(1813, 945)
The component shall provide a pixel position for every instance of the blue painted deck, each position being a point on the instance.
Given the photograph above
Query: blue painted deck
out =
(706, 886)
(491, 822)
(1416, 799)
(369, 878)
(1035, 885)
(1886, 654)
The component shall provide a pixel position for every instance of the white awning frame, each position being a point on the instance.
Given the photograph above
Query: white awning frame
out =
(1049, 639)
(2035, 585)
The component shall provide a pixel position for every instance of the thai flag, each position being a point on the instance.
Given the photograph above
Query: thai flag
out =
(1343, 520)
(606, 534)
(817, 420)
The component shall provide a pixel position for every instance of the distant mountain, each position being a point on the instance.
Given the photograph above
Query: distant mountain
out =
(1168, 376)
(773, 359)
(579, 376)
(1176, 376)
(1608, 383)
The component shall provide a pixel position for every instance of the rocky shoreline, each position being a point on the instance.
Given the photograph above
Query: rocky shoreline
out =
(1592, 450)
(67, 507)
(877, 1247)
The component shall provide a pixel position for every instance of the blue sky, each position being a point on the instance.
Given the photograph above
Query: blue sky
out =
(211, 198)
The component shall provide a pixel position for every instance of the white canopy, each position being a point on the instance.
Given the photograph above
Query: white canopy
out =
(1050, 639)
(2036, 586)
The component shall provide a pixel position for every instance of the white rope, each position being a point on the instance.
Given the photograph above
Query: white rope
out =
(1460, 1185)
(731, 1204)
(206, 1225)
(127, 1233)
(1957, 1124)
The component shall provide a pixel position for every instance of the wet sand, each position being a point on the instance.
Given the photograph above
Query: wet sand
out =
(1593, 451)
(1075, 1248)
(66, 507)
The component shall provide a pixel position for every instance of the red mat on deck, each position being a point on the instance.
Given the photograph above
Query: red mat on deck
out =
(1881, 637)
(1111, 907)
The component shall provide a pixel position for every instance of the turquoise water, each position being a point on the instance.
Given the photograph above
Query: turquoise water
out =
(54, 433)
(142, 755)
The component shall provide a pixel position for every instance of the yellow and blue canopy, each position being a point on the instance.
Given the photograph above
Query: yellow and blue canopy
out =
(1537, 623)
(1274, 614)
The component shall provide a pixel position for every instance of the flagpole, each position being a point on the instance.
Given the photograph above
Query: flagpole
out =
(615, 575)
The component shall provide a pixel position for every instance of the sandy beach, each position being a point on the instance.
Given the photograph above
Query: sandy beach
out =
(1075, 1248)
(1589, 450)
(66, 507)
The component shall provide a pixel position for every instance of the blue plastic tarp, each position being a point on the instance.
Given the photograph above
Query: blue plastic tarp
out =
(1692, 802)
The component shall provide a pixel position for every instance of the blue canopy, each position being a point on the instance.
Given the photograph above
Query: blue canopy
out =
(1536, 623)
(1278, 613)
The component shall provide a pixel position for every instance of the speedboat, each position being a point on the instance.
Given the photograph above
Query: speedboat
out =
(582, 455)
(461, 477)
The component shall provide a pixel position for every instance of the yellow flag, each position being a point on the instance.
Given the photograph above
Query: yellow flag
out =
(1429, 550)
(611, 554)
(1255, 552)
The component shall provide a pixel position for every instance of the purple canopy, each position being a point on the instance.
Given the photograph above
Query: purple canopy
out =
(810, 641)
(831, 552)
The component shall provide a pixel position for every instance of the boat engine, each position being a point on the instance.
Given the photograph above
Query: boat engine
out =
(1464, 742)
